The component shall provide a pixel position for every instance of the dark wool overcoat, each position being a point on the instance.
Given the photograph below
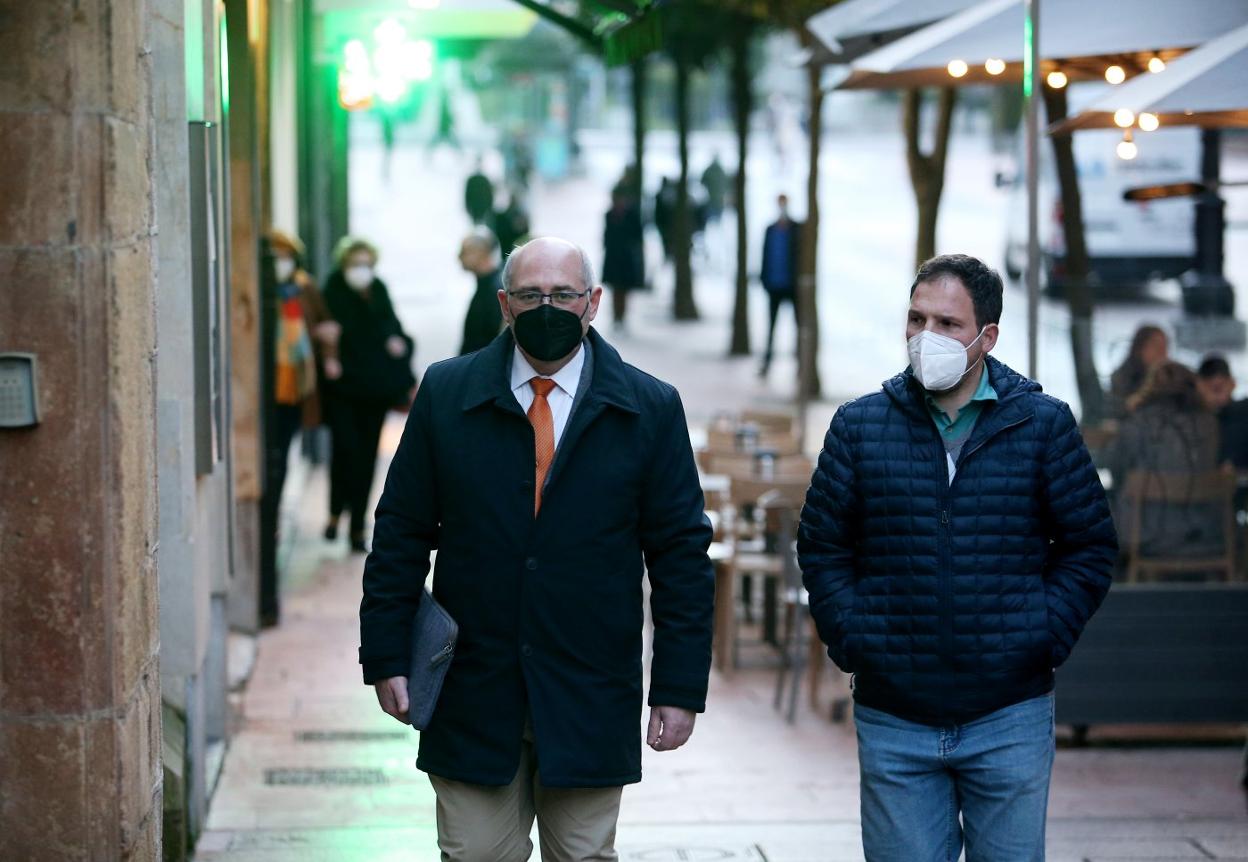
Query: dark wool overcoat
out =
(549, 608)
(950, 601)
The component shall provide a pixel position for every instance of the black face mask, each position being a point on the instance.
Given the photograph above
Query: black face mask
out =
(547, 333)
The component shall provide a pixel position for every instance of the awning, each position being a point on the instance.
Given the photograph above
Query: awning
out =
(1206, 87)
(1082, 36)
(853, 28)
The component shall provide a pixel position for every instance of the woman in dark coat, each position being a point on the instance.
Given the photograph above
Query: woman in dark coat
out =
(623, 265)
(375, 356)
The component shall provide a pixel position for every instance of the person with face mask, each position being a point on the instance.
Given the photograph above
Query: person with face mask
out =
(305, 345)
(545, 471)
(955, 542)
(375, 376)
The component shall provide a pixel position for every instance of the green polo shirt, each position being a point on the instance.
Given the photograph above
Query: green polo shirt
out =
(955, 432)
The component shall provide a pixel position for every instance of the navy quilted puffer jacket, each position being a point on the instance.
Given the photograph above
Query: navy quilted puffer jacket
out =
(950, 601)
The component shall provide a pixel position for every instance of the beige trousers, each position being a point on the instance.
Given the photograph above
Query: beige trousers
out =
(477, 823)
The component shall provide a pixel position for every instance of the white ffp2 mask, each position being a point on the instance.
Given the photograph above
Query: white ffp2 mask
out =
(284, 268)
(939, 362)
(358, 277)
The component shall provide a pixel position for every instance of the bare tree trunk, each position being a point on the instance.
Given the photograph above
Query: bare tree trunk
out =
(742, 103)
(684, 307)
(927, 170)
(807, 307)
(1077, 290)
(639, 125)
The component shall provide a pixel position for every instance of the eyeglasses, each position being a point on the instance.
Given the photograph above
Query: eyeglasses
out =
(534, 298)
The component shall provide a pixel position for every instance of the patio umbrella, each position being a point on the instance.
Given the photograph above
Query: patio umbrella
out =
(1081, 37)
(855, 27)
(1207, 87)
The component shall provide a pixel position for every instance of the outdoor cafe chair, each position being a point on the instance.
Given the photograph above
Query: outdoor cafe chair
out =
(1214, 489)
(755, 550)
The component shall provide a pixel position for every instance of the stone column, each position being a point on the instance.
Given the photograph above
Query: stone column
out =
(80, 774)
(246, 53)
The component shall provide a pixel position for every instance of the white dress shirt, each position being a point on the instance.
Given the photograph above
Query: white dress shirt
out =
(560, 399)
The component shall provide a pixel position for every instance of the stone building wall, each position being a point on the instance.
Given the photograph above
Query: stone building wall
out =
(80, 774)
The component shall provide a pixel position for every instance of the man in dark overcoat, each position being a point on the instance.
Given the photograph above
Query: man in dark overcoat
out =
(545, 472)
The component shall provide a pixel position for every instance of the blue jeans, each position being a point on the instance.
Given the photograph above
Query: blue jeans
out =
(917, 779)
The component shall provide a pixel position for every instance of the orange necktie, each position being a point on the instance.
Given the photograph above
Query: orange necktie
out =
(543, 434)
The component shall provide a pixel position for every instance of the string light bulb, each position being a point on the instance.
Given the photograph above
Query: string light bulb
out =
(1115, 75)
(1148, 122)
(957, 68)
(1127, 149)
(1056, 80)
(1156, 64)
(1124, 118)
(994, 66)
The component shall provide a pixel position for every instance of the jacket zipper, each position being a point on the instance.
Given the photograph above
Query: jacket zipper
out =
(945, 539)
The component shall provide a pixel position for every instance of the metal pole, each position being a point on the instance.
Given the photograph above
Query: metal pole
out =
(1032, 97)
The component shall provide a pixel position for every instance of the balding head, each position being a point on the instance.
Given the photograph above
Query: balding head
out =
(549, 253)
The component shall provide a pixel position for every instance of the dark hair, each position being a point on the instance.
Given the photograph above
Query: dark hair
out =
(980, 280)
(1214, 365)
(1142, 336)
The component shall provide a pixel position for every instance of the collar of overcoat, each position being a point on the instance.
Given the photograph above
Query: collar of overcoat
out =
(490, 378)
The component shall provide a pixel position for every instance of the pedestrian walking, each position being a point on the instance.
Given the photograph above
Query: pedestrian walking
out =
(623, 263)
(478, 254)
(715, 182)
(665, 215)
(479, 195)
(375, 355)
(545, 471)
(781, 245)
(305, 342)
(511, 224)
(955, 542)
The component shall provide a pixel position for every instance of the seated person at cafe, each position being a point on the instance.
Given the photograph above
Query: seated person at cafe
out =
(1217, 388)
(1149, 348)
(1168, 430)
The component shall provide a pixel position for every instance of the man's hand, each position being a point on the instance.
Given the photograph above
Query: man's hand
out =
(670, 727)
(392, 695)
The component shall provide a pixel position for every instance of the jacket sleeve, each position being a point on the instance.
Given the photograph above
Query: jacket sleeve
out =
(675, 535)
(1083, 544)
(826, 541)
(765, 264)
(405, 533)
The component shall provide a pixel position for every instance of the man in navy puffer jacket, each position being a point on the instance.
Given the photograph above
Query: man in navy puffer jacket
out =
(955, 541)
